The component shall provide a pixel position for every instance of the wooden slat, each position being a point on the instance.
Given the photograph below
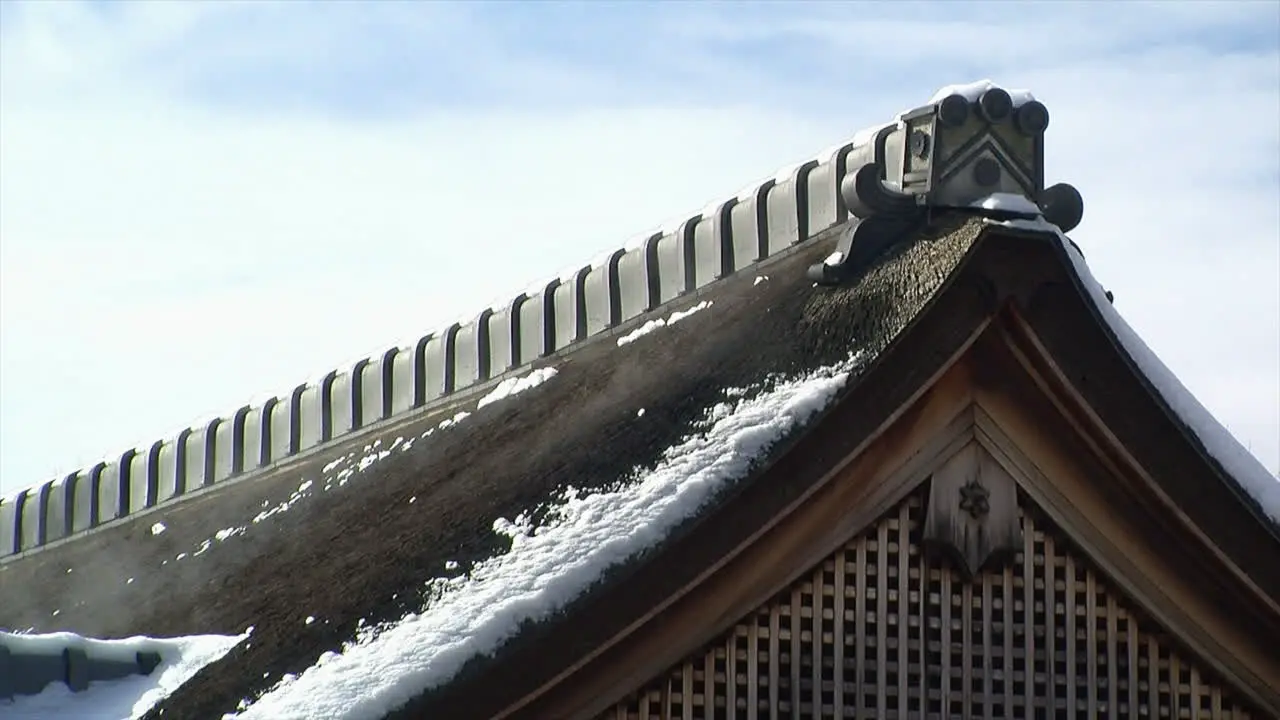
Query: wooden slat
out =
(795, 652)
(860, 608)
(818, 654)
(775, 653)
(1113, 659)
(1131, 640)
(903, 541)
(1153, 677)
(1051, 601)
(1006, 621)
(837, 623)
(731, 676)
(686, 678)
(922, 653)
(753, 668)
(1028, 615)
(709, 685)
(946, 644)
(987, 657)
(882, 609)
(1070, 623)
(1175, 686)
(664, 710)
(1091, 639)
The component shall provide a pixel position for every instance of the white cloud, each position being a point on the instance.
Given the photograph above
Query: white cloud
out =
(166, 252)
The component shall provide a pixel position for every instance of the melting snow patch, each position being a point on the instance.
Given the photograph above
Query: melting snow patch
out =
(372, 455)
(132, 697)
(297, 495)
(641, 331)
(512, 386)
(682, 314)
(547, 566)
(670, 320)
(157, 528)
(304, 490)
(759, 279)
(227, 533)
(462, 415)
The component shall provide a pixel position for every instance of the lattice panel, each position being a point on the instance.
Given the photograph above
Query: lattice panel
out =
(880, 630)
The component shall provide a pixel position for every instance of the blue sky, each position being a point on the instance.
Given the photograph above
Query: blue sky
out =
(204, 203)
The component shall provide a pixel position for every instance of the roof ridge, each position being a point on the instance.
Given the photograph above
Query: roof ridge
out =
(643, 277)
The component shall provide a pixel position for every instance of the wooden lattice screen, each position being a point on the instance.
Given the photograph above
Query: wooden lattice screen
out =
(880, 630)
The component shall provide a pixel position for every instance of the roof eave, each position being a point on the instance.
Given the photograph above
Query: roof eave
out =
(1027, 271)
(920, 353)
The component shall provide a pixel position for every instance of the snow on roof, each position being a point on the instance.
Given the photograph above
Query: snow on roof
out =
(972, 91)
(1221, 445)
(514, 385)
(656, 323)
(547, 566)
(132, 697)
(1007, 203)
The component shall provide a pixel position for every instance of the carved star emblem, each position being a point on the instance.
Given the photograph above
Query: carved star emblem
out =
(973, 499)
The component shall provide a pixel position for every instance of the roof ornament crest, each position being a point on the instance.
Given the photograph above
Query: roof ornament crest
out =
(972, 515)
(973, 499)
(969, 144)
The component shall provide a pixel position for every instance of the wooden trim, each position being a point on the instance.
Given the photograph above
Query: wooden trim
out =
(1051, 381)
(1166, 570)
(1025, 347)
(1076, 353)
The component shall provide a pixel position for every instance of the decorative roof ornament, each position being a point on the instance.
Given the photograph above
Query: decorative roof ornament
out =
(974, 499)
(970, 143)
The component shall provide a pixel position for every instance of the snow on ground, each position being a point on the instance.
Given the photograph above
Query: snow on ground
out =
(126, 698)
(1217, 440)
(547, 566)
(668, 321)
(514, 385)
